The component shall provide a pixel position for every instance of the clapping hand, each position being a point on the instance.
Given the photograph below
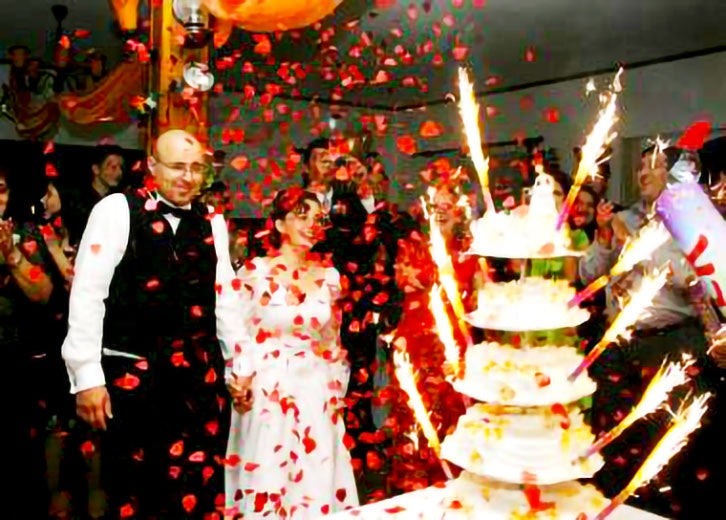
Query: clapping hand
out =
(241, 392)
(6, 238)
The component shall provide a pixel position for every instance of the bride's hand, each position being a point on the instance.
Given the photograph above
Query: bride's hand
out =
(240, 389)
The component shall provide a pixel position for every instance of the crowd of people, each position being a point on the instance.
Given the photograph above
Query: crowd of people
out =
(165, 385)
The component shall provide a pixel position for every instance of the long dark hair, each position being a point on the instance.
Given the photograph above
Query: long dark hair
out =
(591, 227)
(286, 201)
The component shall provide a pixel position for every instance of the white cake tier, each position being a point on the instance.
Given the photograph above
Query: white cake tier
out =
(522, 445)
(520, 234)
(527, 376)
(471, 494)
(529, 304)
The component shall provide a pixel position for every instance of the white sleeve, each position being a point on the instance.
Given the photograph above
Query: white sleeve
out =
(243, 362)
(101, 250)
(231, 326)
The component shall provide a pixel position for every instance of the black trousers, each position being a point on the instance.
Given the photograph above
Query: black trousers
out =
(162, 453)
(688, 486)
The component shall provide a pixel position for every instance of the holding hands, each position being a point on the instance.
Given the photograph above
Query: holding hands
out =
(241, 392)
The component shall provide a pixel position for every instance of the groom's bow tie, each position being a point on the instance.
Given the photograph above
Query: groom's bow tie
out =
(165, 209)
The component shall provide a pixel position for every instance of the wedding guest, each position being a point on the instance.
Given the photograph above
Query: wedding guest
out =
(417, 335)
(670, 330)
(107, 168)
(287, 456)
(583, 214)
(318, 169)
(153, 317)
(25, 289)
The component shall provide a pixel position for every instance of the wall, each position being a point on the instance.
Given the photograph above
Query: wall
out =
(659, 99)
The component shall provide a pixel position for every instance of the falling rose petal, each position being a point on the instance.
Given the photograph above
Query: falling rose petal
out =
(702, 474)
(460, 52)
(127, 511)
(251, 466)
(559, 409)
(526, 103)
(158, 227)
(127, 382)
(394, 510)
(50, 170)
(189, 502)
(529, 55)
(177, 449)
(88, 449)
(197, 456)
(551, 115)
(373, 461)
(542, 379)
(49, 148)
(430, 129)
(309, 444)
(406, 144)
(142, 365)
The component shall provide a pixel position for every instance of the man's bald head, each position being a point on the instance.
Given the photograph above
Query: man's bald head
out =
(175, 142)
(178, 166)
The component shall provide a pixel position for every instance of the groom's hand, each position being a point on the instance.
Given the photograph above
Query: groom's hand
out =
(93, 405)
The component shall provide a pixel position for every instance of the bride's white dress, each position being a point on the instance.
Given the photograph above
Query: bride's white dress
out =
(286, 457)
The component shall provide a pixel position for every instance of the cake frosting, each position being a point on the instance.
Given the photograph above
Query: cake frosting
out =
(530, 304)
(527, 376)
(525, 232)
(522, 445)
(474, 496)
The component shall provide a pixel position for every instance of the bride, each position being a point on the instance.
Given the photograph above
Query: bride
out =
(286, 457)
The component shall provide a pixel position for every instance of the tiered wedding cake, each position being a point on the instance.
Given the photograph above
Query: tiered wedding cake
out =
(519, 445)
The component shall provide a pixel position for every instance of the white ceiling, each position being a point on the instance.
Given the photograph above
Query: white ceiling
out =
(567, 37)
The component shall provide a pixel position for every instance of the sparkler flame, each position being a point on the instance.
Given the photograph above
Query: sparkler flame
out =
(664, 381)
(407, 381)
(651, 236)
(447, 279)
(469, 111)
(633, 311)
(445, 332)
(595, 145)
(685, 422)
(660, 145)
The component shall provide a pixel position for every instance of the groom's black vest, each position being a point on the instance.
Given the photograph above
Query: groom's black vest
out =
(162, 295)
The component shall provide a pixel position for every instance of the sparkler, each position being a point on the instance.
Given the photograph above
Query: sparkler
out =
(407, 380)
(650, 237)
(639, 301)
(469, 111)
(445, 332)
(684, 423)
(595, 145)
(665, 380)
(445, 268)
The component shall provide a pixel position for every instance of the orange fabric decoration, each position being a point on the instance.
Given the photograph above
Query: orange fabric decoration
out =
(127, 12)
(111, 100)
(270, 15)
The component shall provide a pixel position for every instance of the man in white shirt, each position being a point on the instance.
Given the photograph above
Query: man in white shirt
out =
(153, 318)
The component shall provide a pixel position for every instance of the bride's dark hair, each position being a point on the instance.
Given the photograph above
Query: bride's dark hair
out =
(286, 201)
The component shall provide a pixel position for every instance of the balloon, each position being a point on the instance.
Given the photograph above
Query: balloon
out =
(698, 229)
